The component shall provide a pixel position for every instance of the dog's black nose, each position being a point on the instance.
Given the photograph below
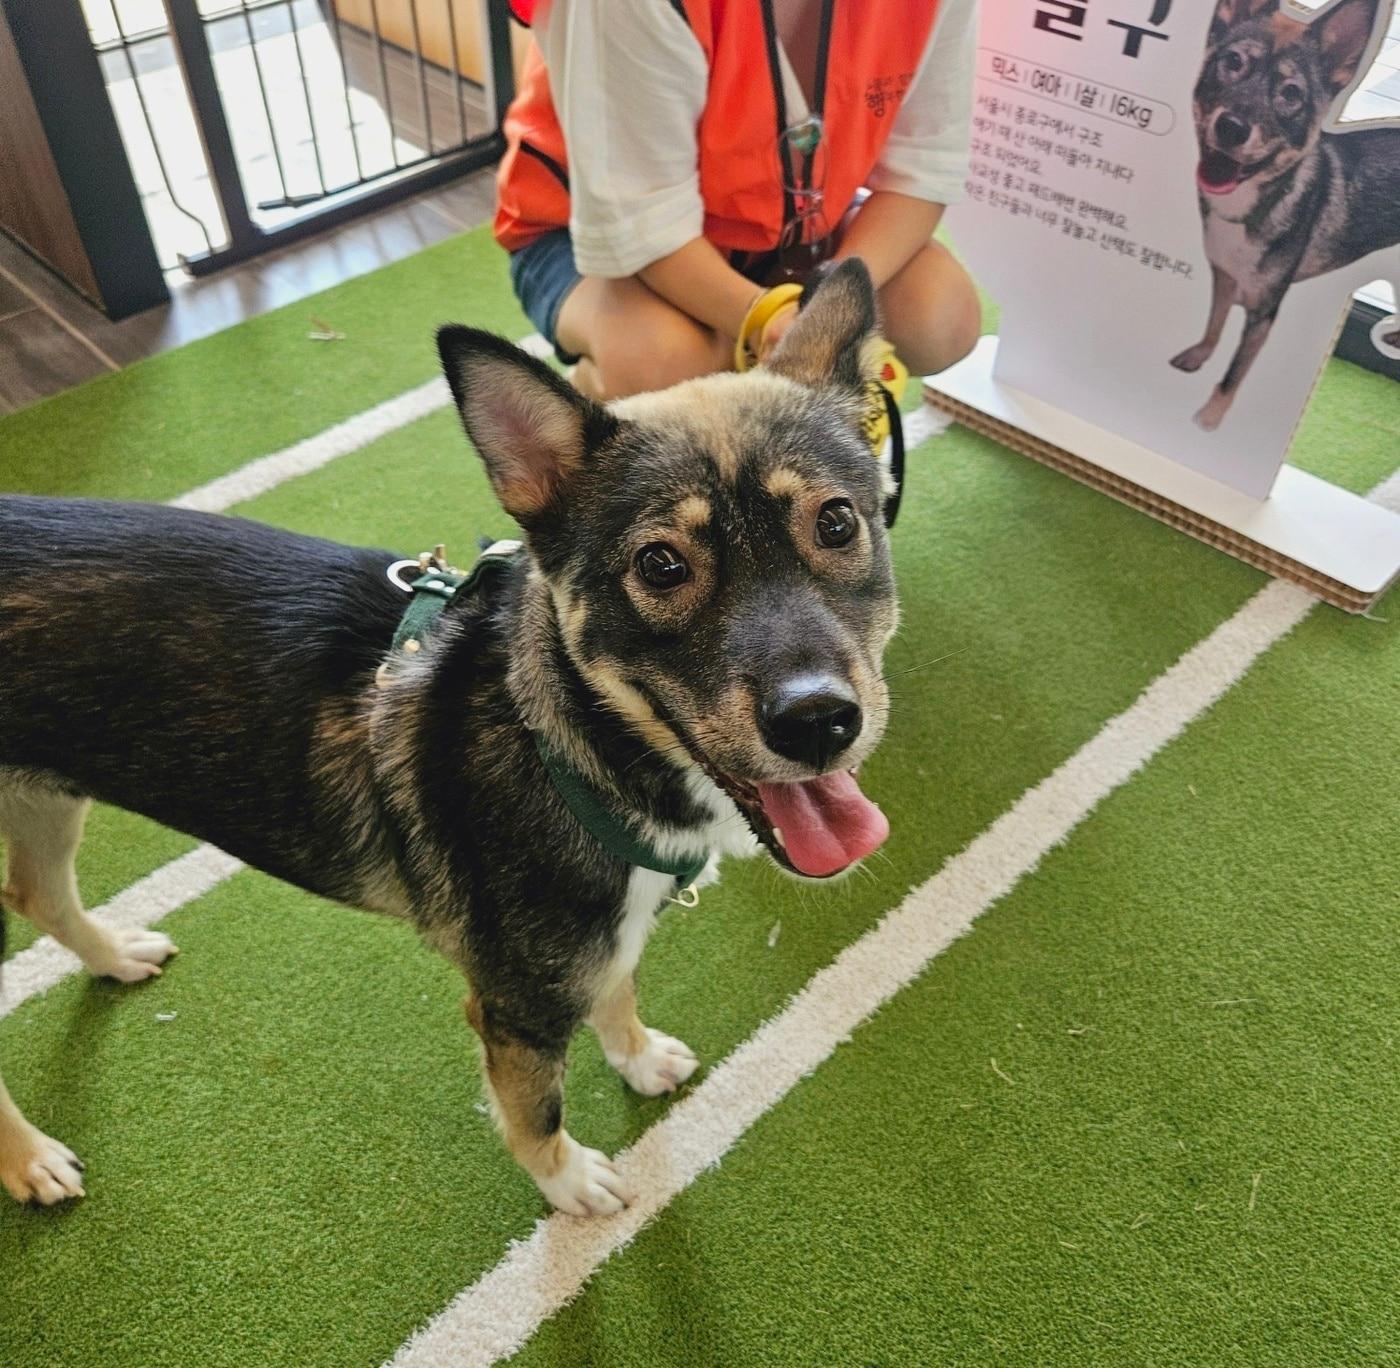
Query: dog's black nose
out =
(1230, 131)
(810, 718)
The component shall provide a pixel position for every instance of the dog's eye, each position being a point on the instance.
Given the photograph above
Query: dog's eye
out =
(662, 566)
(1290, 92)
(836, 523)
(1234, 61)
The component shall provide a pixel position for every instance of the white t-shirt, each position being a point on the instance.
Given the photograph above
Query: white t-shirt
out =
(628, 79)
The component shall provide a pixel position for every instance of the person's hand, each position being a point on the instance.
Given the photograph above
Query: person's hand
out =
(774, 329)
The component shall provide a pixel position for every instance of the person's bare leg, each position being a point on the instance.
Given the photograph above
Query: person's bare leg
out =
(930, 311)
(631, 340)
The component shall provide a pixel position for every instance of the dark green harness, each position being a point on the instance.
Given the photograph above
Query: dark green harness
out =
(434, 587)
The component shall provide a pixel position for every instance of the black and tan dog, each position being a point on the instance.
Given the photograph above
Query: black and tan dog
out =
(1283, 196)
(694, 633)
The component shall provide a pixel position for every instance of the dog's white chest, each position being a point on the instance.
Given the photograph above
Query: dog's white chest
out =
(1229, 248)
(647, 892)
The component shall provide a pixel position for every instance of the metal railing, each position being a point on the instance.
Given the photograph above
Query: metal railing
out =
(250, 123)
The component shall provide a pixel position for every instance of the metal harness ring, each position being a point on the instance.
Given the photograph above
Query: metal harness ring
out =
(398, 566)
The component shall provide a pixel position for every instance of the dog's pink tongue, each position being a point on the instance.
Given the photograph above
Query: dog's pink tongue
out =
(1217, 174)
(827, 823)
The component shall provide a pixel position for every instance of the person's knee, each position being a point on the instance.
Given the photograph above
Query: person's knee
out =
(659, 348)
(632, 340)
(961, 326)
(933, 313)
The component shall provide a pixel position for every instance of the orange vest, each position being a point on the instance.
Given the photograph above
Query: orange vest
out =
(875, 51)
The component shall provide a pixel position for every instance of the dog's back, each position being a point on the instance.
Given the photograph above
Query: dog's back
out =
(184, 668)
(1364, 215)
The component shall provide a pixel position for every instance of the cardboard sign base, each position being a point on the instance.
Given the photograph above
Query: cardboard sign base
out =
(1334, 543)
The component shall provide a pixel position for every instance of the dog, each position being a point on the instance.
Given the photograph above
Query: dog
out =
(692, 636)
(1282, 197)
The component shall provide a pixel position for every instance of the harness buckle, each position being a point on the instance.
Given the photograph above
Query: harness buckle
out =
(688, 897)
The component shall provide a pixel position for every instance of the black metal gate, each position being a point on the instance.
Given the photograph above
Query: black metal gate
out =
(250, 123)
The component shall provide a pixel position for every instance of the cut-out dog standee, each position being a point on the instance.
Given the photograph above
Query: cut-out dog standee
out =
(1286, 191)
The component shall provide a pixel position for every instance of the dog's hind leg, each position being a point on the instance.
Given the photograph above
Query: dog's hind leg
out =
(42, 828)
(652, 1063)
(1257, 325)
(525, 1082)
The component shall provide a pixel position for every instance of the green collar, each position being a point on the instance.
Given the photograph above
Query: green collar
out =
(606, 827)
(430, 591)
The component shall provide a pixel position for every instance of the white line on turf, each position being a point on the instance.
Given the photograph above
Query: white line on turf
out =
(543, 1272)
(257, 477)
(537, 346)
(925, 422)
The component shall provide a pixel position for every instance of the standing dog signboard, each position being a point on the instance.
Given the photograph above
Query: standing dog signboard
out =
(1176, 202)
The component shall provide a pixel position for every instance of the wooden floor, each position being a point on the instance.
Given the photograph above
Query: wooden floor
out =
(52, 339)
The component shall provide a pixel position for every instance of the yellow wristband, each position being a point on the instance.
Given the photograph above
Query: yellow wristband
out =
(761, 313)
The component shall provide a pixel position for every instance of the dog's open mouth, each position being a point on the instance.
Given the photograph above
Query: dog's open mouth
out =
(816, 827)
(1218, 174)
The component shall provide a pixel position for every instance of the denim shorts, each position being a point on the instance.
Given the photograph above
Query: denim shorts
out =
(543, 273)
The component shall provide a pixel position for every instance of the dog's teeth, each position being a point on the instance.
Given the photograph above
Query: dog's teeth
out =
(778, 836)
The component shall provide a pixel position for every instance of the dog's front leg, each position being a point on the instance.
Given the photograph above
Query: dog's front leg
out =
(1257, 324)
(652, 1063)
(1223, 293)
(525, 1081)
(34, 1168)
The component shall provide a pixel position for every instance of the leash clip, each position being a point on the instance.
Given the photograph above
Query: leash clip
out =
(688, 897)
(425, 562)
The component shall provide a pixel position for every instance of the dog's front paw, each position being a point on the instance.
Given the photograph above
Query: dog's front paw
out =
(1214, 409)
(34, 1168)
(1193, 358)
(586, 1184)
(130, 954)
(661, 1067)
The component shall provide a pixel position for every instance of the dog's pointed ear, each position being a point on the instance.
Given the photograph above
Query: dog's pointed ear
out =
(831, 341)
(531, 427)
(1342, 33)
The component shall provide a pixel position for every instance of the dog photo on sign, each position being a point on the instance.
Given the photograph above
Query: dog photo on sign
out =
(1287, 190)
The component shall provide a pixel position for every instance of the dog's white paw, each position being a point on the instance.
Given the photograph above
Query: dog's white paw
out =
(587, 1184)
(660, 1068)
(1215, 408)
(34, 1168)
(130, 954)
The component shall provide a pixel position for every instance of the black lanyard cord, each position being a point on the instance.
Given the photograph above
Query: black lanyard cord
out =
(823, 52)
(775, 71)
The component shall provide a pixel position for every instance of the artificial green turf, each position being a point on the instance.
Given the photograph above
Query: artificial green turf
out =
(295, 1169)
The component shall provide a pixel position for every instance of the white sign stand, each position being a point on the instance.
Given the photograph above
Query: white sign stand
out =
(1334, 543)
